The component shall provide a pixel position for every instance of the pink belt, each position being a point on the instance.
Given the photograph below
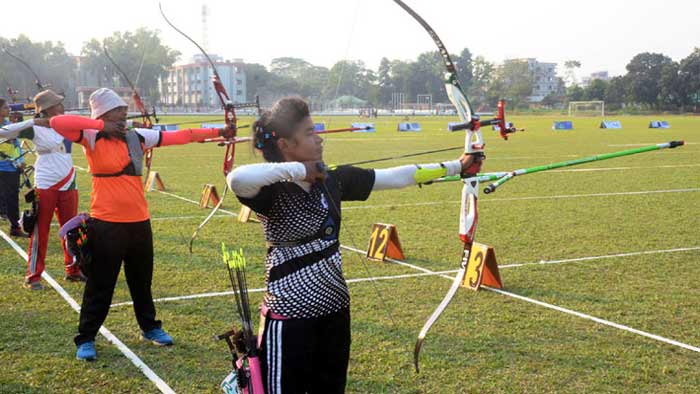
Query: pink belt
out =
(265, 311)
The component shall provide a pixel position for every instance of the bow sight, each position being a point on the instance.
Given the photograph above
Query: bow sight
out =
(499, 123)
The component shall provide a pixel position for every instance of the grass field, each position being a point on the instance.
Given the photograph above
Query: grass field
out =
(621, 236)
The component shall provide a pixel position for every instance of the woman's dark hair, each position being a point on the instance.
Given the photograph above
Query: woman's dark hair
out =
(279, 122)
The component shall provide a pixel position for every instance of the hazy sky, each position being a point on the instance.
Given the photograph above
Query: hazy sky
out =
(603, 35)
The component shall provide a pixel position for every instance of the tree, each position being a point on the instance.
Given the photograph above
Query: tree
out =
(385, 81)
(673, 92)
(570, 74)
(141, 55)
(53, 65)
(482, 77)
(513, 82)
(644, 76)
(575, 93)
(616, 92)
(689, 77)
(465, 68)
(428, 77)
(348, 77)
(256, 77)
(595, 90)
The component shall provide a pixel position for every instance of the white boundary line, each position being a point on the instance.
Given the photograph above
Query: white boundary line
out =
(194, 202)
(168, 218)
(259, 290)
(596, 319)
(567, 311)
(430, 273)
(555, 307)
(607, 256)
(572, 312)
(145, 369)
(555, 197)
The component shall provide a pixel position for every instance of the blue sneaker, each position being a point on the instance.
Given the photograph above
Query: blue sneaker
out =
(158, 337)
(86, 351)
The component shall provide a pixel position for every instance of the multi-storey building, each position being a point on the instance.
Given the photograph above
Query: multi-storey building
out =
(601, 75)
(188, 86)
(544, 78)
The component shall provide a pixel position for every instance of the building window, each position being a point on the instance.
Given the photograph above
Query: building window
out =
(239, 92)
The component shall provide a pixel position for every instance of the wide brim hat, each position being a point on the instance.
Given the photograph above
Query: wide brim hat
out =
(47, 99)
(104, 100)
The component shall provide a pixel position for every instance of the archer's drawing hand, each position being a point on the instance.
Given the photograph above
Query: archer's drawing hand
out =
(112, 127)
(315, 171)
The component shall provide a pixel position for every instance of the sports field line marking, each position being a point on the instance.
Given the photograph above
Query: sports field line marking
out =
(555, 197)
(596, 319)
(145, 369)
(167, 218)
(194, 202)
(607, 256)
(562, 309)
(428, 203)
(403, 276)
(642, 144)
(555, 307)
(258, 290)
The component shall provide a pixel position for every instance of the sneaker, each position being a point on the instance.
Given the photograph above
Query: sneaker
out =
(79, 277)
(158, 337)
(36, 285)
(86, 351)
(17, 232)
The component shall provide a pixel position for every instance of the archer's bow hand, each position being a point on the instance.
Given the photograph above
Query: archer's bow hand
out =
(227, 132)
(471, 163)
(315, 171)
(138, 125)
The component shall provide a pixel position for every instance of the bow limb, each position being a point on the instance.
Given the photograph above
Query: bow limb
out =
(138, 102)
(229, 118)
(473, 144)
(208, 218)
(37, 80)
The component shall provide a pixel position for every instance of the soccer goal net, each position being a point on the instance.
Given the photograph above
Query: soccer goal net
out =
(587, 108)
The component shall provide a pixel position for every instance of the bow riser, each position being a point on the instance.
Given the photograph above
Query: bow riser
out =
(469, 214)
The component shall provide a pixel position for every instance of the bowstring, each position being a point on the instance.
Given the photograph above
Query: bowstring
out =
(364, 264)
(324, 188)
(345, 57)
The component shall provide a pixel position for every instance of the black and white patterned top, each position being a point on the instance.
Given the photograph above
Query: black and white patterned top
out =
(307, 280)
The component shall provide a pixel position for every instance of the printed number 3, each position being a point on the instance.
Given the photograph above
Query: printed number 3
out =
(474, 279)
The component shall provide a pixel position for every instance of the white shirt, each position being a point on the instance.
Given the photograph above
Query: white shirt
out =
(54, 161)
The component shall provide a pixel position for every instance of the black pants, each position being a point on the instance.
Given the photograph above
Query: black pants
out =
(110, 244)
(306, 355)
(9, 196)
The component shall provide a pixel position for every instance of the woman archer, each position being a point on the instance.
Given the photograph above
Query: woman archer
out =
(305, 345)
(56, 188)
(119, 228)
